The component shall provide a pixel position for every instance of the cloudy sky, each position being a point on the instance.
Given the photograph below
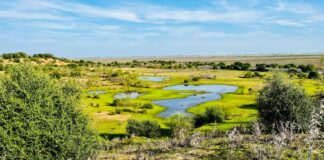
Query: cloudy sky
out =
(116, 28)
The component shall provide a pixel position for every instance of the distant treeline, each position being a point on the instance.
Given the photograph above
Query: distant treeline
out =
(302, 71)
(16, 55)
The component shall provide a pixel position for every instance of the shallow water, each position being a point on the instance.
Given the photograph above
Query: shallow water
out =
(96, 92)
(131, 95)
(180, 105)
(154, 79)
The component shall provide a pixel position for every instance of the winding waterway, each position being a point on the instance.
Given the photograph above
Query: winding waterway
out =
(180, 105)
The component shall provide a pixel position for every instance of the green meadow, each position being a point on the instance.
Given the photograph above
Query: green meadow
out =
(240, 106)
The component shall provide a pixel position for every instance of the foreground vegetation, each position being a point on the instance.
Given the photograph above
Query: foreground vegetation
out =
(266, 118)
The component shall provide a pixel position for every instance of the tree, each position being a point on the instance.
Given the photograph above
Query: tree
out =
(261, 67)
(39, 119)
(281, 102)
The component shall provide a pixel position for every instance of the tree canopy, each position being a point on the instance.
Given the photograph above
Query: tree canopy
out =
(39, 118)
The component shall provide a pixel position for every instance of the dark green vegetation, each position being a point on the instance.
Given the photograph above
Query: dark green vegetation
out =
(145, 128)
(39, 119)
(281, 102)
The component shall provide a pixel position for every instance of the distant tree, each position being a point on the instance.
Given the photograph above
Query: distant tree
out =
(39, 118)
(281, 102)
(261, 67)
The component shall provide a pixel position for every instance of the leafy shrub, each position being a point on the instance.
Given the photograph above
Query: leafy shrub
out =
(211, 115)
(314, 75)
(56, 75)
(147, 106)
(196, 78)
(261, 67)
(186, 81)
(115, 102)
(200, 120)
(248, 75)
(96, 96)
(283, 102)
(143, 111)
(39, 119)
(214, 114)
(75, 74)
(252, 75)
(302, 75)
(16, 60)
(1, 67)
(127, 110)
(146, 128)
(118, 111)
(180, 124)
(72, 65)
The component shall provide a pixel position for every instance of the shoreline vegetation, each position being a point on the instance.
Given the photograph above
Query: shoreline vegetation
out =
(238, 125)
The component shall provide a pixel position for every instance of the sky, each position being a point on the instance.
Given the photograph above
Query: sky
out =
(122, 28)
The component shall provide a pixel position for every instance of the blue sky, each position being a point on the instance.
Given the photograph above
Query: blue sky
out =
(119, 28)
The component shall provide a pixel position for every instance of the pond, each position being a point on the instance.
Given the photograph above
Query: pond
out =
(154, 79)
(125, 95)
(180, 105)
(96, 92)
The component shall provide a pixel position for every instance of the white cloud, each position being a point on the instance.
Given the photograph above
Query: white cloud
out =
(289, 23)
(87, 10)
(27, 15)
(205, 16)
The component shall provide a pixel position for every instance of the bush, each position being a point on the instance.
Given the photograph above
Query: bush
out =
(211, 115)
(196, 78)
(281, 102)
(302, 75)
(39, 119)
(96, 96)
(1, 67)
(147, 106)
(56, 75)
(146, 128)
(314, 75)
(248, 75)
(214, 114)
(185, 81)
(200, 120)
(180, 124)
(116, 102)
(118, 111)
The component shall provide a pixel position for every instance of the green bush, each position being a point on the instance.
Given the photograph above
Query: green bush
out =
(196, 78)
(180, 124)
(96, 96)
(302, 75)
(118, 111)
(39, 119)
(215, 114)
(281, 102)
(314, 75)
(146, 128)
(185, 81)
(248, 75)
(211, 115)
(56, 75)
(147, 106)
(1, 67)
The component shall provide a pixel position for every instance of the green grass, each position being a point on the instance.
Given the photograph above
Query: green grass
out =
(240, 105)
